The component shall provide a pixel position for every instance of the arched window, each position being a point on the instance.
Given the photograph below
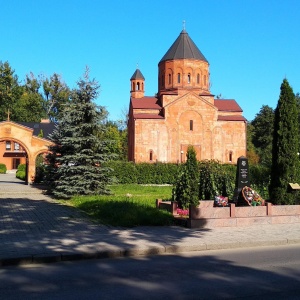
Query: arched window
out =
(178, 78)
(7, 145)
(189, 78)
(230, 156)
(133, 86)
(204, 79)
(198, 78)
(142, 86)
(151, 155)
(170, 78)
(137, 86)
(191, 125)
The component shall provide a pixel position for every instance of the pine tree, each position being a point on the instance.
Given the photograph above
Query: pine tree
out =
(77, 155)
(285, 148)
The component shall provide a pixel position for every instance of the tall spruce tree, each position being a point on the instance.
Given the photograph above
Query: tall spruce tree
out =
(75, 163)
(285, 148)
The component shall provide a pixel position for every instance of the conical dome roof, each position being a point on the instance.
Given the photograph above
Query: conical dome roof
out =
(137, 75)
(183, 48)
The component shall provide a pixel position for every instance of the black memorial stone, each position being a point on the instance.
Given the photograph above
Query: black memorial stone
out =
(242, 179)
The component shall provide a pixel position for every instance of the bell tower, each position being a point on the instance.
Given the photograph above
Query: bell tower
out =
(137, 81)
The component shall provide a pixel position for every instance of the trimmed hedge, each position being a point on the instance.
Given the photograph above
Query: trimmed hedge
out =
(3, 169)
(214, 178)
(144, 173)
(21, 172)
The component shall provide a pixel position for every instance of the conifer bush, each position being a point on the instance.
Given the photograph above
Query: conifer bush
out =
(186, 189)
(285, 148)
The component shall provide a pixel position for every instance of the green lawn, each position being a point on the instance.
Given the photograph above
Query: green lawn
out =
(129, 205)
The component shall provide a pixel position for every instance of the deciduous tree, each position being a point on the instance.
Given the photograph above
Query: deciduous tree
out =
(56, 94)
(10, 90)
(262, 136)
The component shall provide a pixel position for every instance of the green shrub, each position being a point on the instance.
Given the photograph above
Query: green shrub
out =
(39, 174)
(21, 172)
(216, 179)
(260, 179)
(144, 173)
(22, 167)
(124, 172)
(3, 169)
(186, 189)
(40, 169)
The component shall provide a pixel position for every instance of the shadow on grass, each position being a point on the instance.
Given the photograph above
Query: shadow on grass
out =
(126, 213)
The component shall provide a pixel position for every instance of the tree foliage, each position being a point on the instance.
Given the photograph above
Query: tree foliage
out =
(252, 155)
(117, 135)
(262, 134)
(56, 94)
(10, 90)
(26, 102)
(285, 159)
(77, 156)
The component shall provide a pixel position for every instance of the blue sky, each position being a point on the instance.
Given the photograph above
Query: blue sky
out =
(251, 45)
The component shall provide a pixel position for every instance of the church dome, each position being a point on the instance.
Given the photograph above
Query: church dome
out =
(183, 48)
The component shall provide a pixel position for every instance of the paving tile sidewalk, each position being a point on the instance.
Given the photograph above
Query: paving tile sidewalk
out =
(34, 228)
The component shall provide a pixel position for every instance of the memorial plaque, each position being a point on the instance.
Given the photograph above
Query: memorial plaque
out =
(242, 179)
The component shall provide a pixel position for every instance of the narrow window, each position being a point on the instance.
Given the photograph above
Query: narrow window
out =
(178, 78)
(8, 147)
(151, 155)
(163, 81)
(189, 78)
(17, 147)
(170, 79)
(142, 86)
(230, 156)
(191, 125)
(198, 78)
(133, 86)
(204, 78)
(138, 86)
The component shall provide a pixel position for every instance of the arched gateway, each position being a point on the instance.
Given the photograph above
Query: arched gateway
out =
(21, 143)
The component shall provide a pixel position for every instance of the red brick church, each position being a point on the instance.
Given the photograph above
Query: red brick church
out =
(183, 112)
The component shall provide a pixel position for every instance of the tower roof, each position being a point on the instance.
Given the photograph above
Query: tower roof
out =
(183, 48)
(137, 75)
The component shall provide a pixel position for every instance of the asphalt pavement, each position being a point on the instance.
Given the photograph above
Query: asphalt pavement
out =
(34, 228)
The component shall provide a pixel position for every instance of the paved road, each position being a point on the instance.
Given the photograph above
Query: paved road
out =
(35, 228)
(266, 273)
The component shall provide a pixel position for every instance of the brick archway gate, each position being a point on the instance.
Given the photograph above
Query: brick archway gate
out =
(19, 142)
